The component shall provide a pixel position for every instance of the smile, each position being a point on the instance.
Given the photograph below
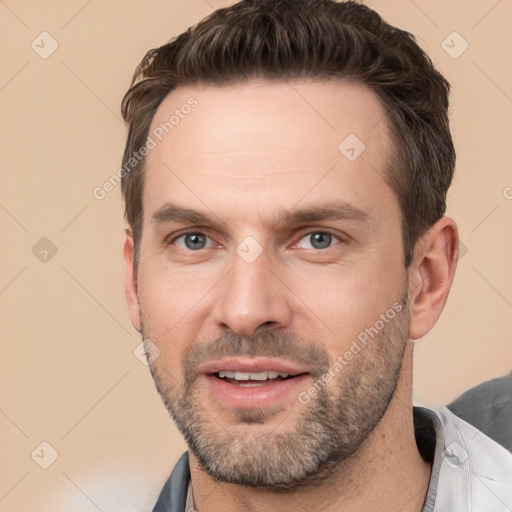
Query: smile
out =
(251, 379)
(247, 383)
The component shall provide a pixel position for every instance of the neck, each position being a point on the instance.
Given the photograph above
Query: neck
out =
(387, 473)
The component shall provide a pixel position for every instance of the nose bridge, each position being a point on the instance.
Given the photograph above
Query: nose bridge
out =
(251, 296)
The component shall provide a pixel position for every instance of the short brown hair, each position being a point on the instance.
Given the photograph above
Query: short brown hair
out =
(280, 40)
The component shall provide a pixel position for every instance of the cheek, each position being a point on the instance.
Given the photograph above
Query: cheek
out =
(342, 302)
(172, 301)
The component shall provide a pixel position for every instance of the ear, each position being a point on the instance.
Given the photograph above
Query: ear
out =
(431, 275)
(130, 286)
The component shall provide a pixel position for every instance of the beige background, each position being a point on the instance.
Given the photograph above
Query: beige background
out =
(69, 376)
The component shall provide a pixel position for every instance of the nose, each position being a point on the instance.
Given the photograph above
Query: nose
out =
(251, 298)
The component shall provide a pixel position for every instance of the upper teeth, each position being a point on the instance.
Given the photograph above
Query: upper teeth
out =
(252, 376)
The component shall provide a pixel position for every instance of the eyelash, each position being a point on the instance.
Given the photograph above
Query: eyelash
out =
(303, 235)
(323, 232)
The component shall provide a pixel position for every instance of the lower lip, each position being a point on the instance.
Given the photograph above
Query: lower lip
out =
(242, 397)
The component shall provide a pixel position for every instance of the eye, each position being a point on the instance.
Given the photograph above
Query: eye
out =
(193, 241)
(317, 240)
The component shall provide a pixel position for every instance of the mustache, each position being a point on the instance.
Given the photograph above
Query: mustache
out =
(287, 346)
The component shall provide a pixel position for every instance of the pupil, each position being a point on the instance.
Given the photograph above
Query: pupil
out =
(321, 240)
(195, 241)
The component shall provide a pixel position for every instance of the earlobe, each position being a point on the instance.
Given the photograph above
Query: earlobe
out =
(431, 275)
(131, 291)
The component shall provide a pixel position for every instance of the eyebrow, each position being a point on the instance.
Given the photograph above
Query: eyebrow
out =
(170, 212)
(335, 210)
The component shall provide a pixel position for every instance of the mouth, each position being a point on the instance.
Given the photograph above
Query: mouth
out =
(247, 383)
(252, 379)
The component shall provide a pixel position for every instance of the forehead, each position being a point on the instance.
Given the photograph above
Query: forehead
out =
(262, 143)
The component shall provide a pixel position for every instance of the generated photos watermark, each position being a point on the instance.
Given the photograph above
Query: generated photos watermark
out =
(358, 344)
(157, 135)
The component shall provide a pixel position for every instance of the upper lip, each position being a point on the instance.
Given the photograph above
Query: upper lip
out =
(252, 365)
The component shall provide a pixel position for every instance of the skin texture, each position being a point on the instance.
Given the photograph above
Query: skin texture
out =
(246, 156)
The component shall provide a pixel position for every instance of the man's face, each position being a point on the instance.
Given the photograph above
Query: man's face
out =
(268, 248)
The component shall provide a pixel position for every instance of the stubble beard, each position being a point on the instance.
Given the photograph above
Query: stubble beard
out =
(327, 431)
